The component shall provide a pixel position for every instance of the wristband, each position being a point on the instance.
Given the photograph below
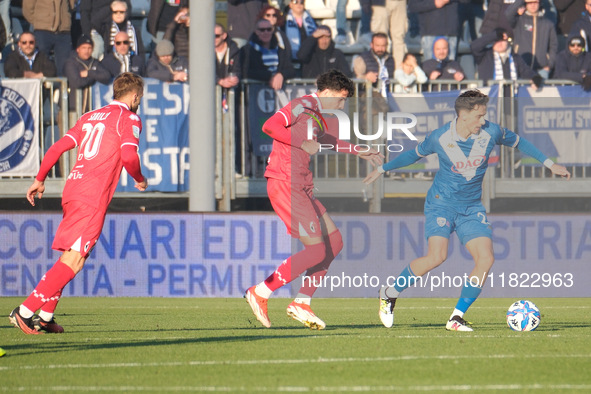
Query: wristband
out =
(380, 169)
(548, 163)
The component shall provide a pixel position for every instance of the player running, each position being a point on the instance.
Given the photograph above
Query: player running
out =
(290, 189)
(107, 140)
(453, 202)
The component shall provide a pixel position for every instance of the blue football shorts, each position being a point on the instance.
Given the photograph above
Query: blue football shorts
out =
(468, 222)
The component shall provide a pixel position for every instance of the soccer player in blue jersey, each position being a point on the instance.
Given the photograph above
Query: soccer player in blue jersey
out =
(453, 202)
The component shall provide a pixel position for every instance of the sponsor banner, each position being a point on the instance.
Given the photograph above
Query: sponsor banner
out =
(557, 120)
(261, 103)
(221, 255)
(19, 127)
(164, 143)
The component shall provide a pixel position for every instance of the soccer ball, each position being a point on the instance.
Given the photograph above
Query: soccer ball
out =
(523, 315)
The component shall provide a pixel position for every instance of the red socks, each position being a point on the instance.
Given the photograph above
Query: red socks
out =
(318, 272)
(49, 288)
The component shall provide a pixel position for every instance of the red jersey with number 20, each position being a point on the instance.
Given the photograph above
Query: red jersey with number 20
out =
(99, 136)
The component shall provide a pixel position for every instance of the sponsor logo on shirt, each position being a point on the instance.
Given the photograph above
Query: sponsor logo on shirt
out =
(468, 164)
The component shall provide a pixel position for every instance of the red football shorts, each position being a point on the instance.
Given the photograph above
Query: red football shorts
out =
(297, 207)
(80, 228)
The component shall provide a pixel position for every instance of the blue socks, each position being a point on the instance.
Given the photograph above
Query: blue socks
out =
(469, 294)
(406, 279)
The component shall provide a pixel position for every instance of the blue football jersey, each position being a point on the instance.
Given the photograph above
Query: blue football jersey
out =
(462, 162)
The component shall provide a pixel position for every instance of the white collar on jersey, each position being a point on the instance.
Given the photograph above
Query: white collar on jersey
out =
(454, 132)
(115, 102)
(317, 100)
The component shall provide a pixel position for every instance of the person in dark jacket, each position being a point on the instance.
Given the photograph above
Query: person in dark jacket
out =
(573, 63)
(263, 60)
(227, 59)
(568, 12)
(318, 54)
(582, 26)
(499, 62)
(534, 35)
(120, 22)
(177, 32)
(27, 61)
(162, 12)
(94, 14)
(440, 67)
(242, 15)
(122, 59)
(376, 65)
(83, 71)
(438, 18)
(165, 65)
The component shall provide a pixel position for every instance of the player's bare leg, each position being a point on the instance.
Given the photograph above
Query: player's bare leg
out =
(436, 254)
(482, 252)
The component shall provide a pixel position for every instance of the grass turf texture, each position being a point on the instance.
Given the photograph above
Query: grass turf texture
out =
(166, 345)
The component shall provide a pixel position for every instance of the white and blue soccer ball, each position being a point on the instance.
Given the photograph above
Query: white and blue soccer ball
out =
(523, 315)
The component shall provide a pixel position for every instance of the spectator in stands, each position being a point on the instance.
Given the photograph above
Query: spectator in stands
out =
(573, 63)
(441, 67)
(165, 65)
(27, 61)
(568, 12)
(409, 75)
(94, 16)
(162, 12)
(120, 22)
(274, 15)
(177, 32)
(3, 37)
(499, 62)
(389, 16)
(341, 19)
(582, 26)
(52, 22)
(5, 25)
(264, 60)
(472, 14)
(227, 59)
(376, 65)
(122, 59)
(318, 54)
(437, 18)
(242, 15)
(83, 71)
(365, 34)
(494, 17)
(299, 24)
(534, 36)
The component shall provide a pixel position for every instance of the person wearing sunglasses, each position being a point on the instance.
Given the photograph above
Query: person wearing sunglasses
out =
(264, 60)
(94, 15)
(120, 22)
(27, 61)
(573, 63)
(299, 24)
(122, 59)
(277, 20)
(242, 17)
(534, 35)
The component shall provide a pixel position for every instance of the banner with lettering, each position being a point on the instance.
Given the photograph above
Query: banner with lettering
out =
(221, 255)
(164, 143)
(557, 120)
(19, 127)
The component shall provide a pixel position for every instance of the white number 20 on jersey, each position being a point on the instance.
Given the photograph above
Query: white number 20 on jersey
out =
(92, 140)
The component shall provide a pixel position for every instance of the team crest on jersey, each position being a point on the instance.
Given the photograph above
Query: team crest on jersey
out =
(17, 128)
(317, 117)
(86, 247)
(312, 227)
(134, 117)
(441, 221)
(136, 131)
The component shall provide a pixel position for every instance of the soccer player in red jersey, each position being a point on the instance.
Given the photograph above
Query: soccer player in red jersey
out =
(107, 140)
(290, 189)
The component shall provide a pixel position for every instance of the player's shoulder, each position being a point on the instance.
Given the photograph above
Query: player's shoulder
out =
(493, 128)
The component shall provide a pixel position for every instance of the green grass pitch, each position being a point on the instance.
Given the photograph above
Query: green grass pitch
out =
(193, 345)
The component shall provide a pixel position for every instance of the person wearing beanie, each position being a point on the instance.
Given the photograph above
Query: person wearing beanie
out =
(83, 71)
(573, 63)
(165, 65)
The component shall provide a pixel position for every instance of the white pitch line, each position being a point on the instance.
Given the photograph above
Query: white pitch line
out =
(319, 360)
(364, 388)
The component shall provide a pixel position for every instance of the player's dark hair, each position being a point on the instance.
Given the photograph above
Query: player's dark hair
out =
(127, 83)
(470, 99)
(335, 80)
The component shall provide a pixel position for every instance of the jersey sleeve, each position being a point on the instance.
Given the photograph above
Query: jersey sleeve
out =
(508, 138)
(427, 146)
(130, 129)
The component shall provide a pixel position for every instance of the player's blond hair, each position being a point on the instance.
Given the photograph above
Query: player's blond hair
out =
(127, 83)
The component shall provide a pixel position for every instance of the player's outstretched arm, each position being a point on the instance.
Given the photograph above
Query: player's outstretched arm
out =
(374, 175)
(557, 169)
(373, 156)
(36, 189)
